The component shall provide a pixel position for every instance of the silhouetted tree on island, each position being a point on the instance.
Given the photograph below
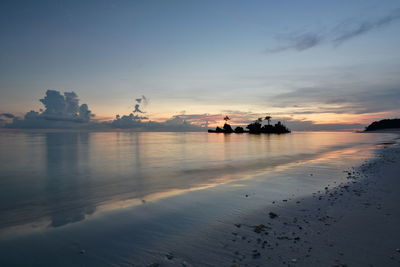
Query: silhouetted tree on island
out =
(239, 130)
(253, 128)
(227, 128)
(268, 118)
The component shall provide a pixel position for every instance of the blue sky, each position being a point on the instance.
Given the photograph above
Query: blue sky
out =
(313, 61)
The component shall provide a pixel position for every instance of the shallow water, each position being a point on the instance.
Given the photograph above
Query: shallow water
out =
(78, 190)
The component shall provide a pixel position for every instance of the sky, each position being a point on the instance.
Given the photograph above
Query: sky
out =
(316, 64)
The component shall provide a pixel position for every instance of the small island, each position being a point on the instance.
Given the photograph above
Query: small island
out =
(253, 128)
(383, 125)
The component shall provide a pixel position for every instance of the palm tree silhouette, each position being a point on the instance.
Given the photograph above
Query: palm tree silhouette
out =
(226, 118)
(268, 118)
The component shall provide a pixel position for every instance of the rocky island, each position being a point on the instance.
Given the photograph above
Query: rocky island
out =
(254, 128)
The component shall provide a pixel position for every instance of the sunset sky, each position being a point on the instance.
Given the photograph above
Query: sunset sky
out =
(308, 62)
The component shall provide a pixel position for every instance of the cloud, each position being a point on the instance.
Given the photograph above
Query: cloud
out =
(306, 125)
(7, 115)
(176, 123)
(5, 118)
(339, 34)
(137, 109)
(61, 111)
(339, 100)
(242, 118)
(349, 30)
(298, 42)
(196, 119)
(146, 101)
(64, 107)
(142, 100)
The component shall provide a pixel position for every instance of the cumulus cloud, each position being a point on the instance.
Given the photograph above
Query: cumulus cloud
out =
(61, 111)
(177, 123)
(128, 121)
(137, 123)
(339, 34)
(195, 119)
(64, 107)
(71, 103)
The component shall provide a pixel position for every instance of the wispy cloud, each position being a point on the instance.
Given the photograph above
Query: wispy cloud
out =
(7, 115)
(339, 34)
(299, 42)
(340, 101)
(349, 30)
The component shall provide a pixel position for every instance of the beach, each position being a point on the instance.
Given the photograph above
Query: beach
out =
(312, 203)
(353, 223)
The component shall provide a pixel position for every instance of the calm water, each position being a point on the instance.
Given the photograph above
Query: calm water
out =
(60, 180)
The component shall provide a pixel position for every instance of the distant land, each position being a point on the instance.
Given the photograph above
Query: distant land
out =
(384, 124)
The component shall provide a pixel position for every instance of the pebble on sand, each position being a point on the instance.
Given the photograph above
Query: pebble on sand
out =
(273, 215)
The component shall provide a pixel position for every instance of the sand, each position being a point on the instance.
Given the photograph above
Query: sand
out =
(355, 223)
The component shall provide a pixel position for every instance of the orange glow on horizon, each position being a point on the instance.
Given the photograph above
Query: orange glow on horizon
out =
(239, 120)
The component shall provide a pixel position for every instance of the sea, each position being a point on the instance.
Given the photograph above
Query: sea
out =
(126, 198)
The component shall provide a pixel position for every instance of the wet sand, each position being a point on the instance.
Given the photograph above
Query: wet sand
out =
(354, 223)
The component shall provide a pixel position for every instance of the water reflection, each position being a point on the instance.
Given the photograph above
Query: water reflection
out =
(137, 174)
(77, 175)
(68, 177)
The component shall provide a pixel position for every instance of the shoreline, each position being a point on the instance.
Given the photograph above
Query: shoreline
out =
(353, 223)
